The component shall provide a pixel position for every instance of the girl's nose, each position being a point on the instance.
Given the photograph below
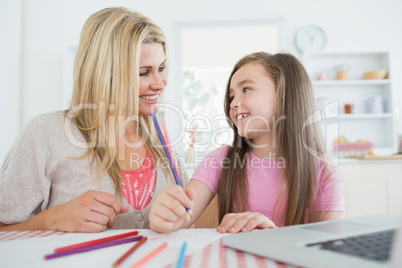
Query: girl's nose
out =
(235, 103)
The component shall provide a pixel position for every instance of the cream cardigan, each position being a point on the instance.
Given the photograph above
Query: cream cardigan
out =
(40, 172)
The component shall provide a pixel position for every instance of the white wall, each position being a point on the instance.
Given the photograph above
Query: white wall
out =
(10, 59)
(35, 35)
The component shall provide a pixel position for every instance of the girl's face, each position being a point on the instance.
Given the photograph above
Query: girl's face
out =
(253, 102)
(153, 76)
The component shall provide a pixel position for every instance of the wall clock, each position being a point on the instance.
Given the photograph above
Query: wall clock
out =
(310, 38)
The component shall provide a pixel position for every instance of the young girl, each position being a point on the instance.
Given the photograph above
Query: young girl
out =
(95, 165)
(275, 172)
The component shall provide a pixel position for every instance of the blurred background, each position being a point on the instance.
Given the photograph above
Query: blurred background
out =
(206, 38)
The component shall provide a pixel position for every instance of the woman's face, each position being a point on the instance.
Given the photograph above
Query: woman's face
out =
(153, 76)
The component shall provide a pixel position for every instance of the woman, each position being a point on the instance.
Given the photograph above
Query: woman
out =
(96, 165)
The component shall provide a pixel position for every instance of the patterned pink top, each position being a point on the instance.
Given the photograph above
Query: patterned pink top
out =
(139, 185)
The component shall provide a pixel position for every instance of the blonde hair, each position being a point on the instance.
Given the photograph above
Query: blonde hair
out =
(106, 75)
(295, 101)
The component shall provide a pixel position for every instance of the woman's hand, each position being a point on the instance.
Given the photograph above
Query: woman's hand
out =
(244, 222)
(169, 208)
(91, 212)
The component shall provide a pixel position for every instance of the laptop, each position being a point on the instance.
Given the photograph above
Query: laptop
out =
(366, 241)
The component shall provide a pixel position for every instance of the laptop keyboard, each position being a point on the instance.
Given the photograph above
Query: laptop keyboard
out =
(374, 246)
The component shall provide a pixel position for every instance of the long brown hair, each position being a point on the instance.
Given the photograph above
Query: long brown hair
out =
(106, 76)
(296, 102)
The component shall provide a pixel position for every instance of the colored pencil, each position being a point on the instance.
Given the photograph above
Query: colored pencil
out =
(97, 241)
(130, 251)
(165, 148)
(182, 257)
(171, 163)
(92, 247)
(169, 145)
(150, 255)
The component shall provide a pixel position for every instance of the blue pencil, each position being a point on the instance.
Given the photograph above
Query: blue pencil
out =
(165, 148)
(180, 263)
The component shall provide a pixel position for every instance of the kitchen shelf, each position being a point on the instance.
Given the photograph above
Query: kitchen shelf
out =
(352, 82)
(366, 116)
(380, 128)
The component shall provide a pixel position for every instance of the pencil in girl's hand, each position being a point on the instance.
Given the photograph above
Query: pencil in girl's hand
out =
(97, 241)
(180, 263)
(150, 255)
(165, 149)
(168, 144)
(92, 247)
(169, 158)
(129, 252)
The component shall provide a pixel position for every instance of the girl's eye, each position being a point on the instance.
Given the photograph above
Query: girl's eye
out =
(231, 99)
(144, 73)
(161, 68)
(246, 89)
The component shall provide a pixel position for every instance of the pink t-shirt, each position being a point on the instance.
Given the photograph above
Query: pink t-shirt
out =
(266, 181)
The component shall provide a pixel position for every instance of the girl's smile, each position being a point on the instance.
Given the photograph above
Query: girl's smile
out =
(241, 116)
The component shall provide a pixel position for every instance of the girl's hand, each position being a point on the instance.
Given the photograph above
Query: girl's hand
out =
(244, 222)
(169, 208)
(91, 212)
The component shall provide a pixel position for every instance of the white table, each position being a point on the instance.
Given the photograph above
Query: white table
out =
(204, 249)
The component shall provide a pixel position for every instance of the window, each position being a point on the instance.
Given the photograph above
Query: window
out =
(208, 54)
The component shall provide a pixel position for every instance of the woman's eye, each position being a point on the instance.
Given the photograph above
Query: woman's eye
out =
(231, 99)
(246, 89)
(161, 68)
(144, 73)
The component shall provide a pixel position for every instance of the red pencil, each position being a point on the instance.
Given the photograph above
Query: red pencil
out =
(131, 250)
(92, 247)
(150, 255)
(97, 241)
(168, 144)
